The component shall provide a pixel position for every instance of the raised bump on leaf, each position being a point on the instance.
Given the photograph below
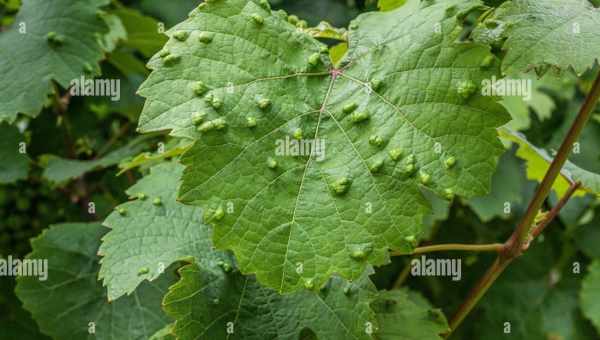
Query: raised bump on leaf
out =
(450, 162)
(215, 124)
(143, 271)
(216, 103)
(424, 177)
(376, 166)
(251, 121)
(199, 88)
(264, 103)
(349, 108)
(396, 154)
(298, 133)
(141, 196)
(198, 118)
(293, 19)
(205, 37)
(449, 194)
(258, 19)
(218, 214)
(271, 163)
(171, 60)
(309, 284)
(122, 211)
(341, 185)
(164, 53)
(358, 117)
(55, 39)
(376, 140)
(157, 201)
(181, 35)
(466, 89)
(375, 84)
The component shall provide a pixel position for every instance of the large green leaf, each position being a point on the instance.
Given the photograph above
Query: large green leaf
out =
(541, 33)
(30, 61)
(14, 164)
(419, 121)
(590, 294)
(71, 298)
(210, 300)
(152, 236)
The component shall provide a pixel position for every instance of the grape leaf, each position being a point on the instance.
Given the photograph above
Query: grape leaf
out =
(208, 301)
(590, 294)
(405, 315)
(14, 165)
(60, 42)
(149, 235)
(538, 161)
(541, 33)
(60, 170)
(72, 297)
(388, 127)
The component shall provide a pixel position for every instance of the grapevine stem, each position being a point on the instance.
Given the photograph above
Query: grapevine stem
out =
(497, 247)
(518, 241)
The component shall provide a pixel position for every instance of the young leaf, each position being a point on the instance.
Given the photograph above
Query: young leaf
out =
(308, 209)
(538, 162)
(151, 236)
(14, 164)
(216, 304)
(540, 33)
(51, 41)
(72, 301)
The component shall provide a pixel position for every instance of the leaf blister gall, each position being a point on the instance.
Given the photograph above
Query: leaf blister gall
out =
(258, 19)
(205, 37)
(215, 124)
(396, 154)
(271, 163)
(264, 103)
(349, 108)
(341, 186)
(376, 140)
(181, 35)
(358, 117)
(251, 121)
